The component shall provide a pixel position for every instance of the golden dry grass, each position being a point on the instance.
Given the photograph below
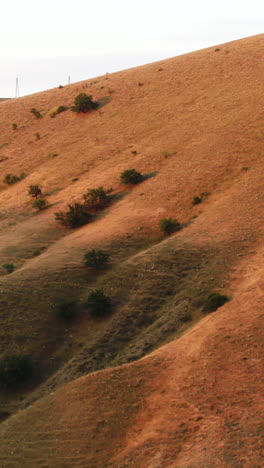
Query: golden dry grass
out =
(196, 125)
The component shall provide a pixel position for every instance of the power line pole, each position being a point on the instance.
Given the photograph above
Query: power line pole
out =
(17, 88)
(69, 79)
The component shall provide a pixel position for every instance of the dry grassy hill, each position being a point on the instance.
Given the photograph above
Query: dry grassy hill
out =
(191, 125)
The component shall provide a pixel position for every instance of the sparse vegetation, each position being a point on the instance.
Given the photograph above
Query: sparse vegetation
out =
(131, 176)
(213, 301)
(9, 267)
(66, 309)
(96, 199)
(37, 135)
(40, 203)
(10, 179)
(83, 103)
(169, 225)
(76, 216)
(196, 200)
(14, 126)
(98, 304)
(15, 370)
(34, 191)
(59, 110)
(96, 258)
(36, 113)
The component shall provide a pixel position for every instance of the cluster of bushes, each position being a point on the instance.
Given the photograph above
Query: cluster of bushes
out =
(79, 214)
(97, 302)
(40, 202)
(74, 217)
(10, 179)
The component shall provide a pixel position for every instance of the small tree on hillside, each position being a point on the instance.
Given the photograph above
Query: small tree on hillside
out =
(131, 176)
(98, 304)
(76, 216)
(96, 199)
(83, 103)
(169, 225)
(34, 191)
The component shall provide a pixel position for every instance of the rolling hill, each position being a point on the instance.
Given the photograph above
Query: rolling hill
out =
(158, 382)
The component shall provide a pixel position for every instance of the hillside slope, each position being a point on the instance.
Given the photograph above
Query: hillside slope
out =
(191, 125)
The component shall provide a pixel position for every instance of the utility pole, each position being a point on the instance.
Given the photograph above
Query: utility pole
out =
(17, 88)
(69, 79)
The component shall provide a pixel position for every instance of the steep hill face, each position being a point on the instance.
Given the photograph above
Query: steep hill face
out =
(193, 126)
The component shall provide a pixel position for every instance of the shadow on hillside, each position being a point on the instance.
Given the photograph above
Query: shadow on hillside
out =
(118, 196)
(102, 101)
(150, 175)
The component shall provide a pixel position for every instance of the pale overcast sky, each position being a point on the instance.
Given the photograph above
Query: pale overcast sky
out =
(42, 42)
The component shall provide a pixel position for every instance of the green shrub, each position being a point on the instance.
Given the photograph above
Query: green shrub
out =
(83, 103)
(40, 203)
(11, 179)
(169, 225)
(14, 370)
(34, 191)
(131, 176)
(36, 113)
(196, 200)
(59, 110)
(9, 267)
(37, 135)
(96, 258)
(213, 301)
(14, 126)
(76, 216)
(98, 304)
(66, 309)
(62, 109)
(96, 199)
